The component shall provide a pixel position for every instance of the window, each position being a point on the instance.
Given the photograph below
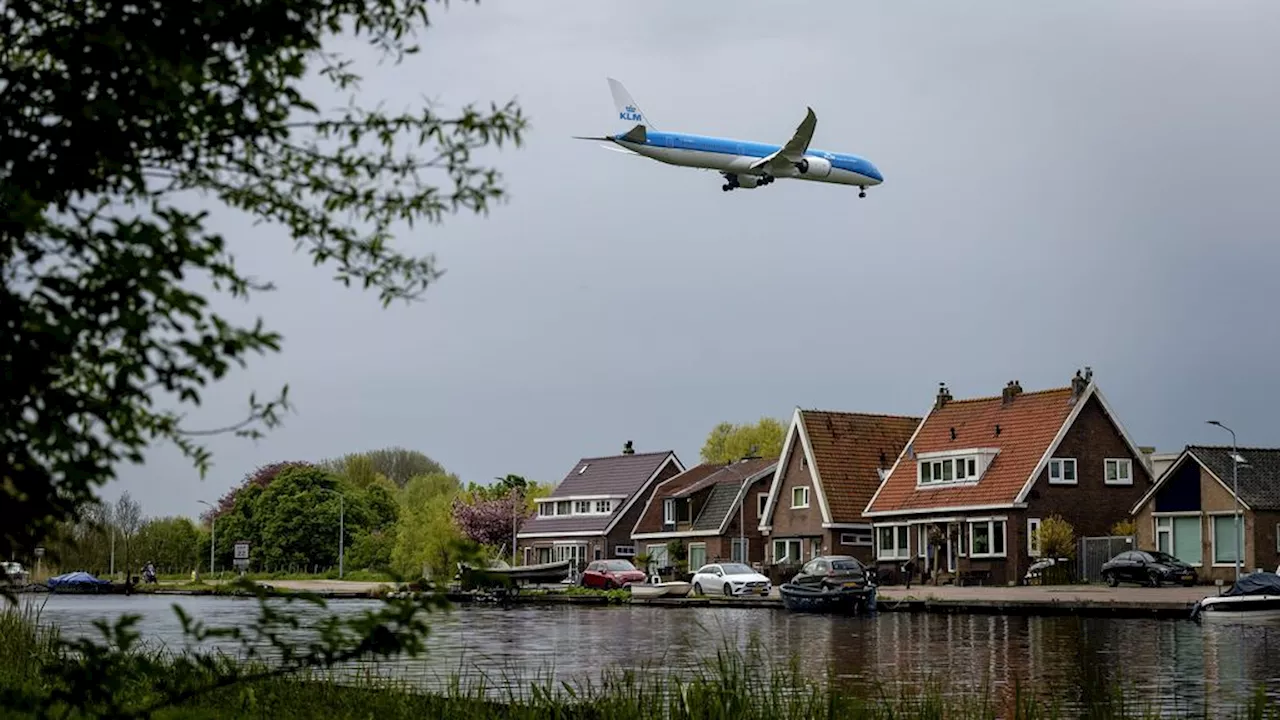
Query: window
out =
(1062, 471)
(582, 507)
(893, 542)
(922, 540)
(762, 499)
(1180, 537)
(738, 550)
(986, 539)
(546, 509)
(1119, 472)
(669, 512)
(658, 556)
(961, 469)
(564, 507)
(1224, 545)
(787, 552)
(697, 554)
(603, 507)
(799, 498)
(1033, 537)
(857, 538)
(624, 550)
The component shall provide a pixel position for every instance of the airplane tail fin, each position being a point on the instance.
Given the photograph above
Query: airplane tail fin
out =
(629, 112)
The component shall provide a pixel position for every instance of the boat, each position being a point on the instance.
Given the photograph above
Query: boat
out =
(654, 589)
(1255, 596)
(501, 573)
(78, 582)
(797, 598)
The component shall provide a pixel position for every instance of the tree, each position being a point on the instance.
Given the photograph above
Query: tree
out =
(395, 463)
(127, 521)
(112, 117)
(1057, 538)
(426, 538)
(174, 544)
(490, 522)
(728, 442)
(252, 485)
(1126, 527)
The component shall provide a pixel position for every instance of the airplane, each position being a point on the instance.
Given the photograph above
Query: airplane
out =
(743, 164)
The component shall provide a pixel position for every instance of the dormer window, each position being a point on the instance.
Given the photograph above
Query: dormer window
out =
(964, 467)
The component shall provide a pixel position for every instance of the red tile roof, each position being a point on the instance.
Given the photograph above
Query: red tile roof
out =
(849, 449)
(1027, 425)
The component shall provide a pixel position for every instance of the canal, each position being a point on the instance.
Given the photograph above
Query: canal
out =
(1175, 665)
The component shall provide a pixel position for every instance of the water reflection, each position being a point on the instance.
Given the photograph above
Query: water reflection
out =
(1175, 665)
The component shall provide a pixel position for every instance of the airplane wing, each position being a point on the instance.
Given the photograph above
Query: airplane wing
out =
(795, 148)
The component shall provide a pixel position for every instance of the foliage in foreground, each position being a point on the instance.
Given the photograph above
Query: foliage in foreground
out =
(41, 674)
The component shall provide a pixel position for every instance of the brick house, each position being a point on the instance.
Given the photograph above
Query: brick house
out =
(590, 514)
(709, 507)
(979, 475)
(831, 464)
(1189, 512)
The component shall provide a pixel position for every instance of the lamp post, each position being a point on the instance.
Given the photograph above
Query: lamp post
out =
(1235, 489)
(341, 528)
(213, 531)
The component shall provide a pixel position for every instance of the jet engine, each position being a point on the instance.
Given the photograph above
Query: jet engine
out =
(810, 166)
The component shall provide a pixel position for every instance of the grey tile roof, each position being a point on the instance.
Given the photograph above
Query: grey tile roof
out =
(736, 472)
(718, 505)
(612, 475)
(1259, 474)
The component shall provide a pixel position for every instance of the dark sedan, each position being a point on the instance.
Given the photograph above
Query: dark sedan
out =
(1147, 567)
(834, 572)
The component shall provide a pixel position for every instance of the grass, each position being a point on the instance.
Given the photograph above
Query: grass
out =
(737, 685)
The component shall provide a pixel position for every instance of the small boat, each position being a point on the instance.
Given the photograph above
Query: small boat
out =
(797, 598)
(654, 589)
(552, 572)
(78, 582)
(1255, 596)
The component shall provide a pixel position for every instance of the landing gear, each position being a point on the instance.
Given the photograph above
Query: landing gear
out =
(765, 180)
(862, 191)
(726, 187)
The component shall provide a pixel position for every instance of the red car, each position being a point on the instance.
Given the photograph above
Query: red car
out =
(610, 574)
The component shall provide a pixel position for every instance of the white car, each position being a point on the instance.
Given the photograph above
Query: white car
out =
(730, 580)
(14, 574)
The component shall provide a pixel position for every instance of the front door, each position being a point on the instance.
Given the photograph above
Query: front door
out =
(953, 539)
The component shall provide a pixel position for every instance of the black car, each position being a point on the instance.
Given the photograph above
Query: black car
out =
(1147, 567)
(834, 572)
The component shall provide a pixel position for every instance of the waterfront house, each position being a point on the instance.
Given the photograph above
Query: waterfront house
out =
(979, 475)
(590, 514)
(831, 464)
(711, 508)
(1189, 511)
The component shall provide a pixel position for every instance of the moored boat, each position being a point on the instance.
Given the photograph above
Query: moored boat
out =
(552, 572)
(1255, 596)
(797, 598)
(652, 589)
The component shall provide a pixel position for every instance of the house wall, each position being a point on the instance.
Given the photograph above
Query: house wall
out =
(796, 523)
(1264, 535)
(1003, 570)
(1091, 506)
(621, 533)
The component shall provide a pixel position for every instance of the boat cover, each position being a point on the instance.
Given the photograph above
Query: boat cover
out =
(76, 578)
(1259, 583)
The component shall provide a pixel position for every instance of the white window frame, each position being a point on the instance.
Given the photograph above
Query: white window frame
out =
(762, 499)
(1213, 539)
(805, 489)
(668, 511)
(1033, 542)
(581, 507)
(603, 507)
(901, 549)
(787, 544)
(857, 539)
(964, 470)
(1173, 534)
(991, 524)
(1061, 475)
(624, 550)
(922, 540)
(546, 509)
(1126, 463)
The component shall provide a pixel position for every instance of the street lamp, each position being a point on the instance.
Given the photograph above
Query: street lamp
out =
(1235, 488)
(341, 528)
(213, 531)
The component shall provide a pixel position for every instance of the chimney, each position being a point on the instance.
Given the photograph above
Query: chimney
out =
(1011, 391)
(627, 449)
(944, 397)
(1079, 383)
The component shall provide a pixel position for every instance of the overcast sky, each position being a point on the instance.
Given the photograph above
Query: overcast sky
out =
(1070, 184)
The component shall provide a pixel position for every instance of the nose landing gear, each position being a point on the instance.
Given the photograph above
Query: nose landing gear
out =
(862, 191)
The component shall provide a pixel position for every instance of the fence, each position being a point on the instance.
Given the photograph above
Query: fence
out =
(1094, 551)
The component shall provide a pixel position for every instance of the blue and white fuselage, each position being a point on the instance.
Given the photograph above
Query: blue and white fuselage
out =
(743, 163)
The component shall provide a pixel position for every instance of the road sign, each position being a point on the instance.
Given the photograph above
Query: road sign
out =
(241, 550)
(39, 552)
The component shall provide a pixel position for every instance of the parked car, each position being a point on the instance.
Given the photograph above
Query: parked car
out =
(611, 574)
(833, 572)
(14, 573)
(729, 579)
(1147, 567)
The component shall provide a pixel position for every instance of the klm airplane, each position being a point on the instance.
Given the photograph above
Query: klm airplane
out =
(743, 164)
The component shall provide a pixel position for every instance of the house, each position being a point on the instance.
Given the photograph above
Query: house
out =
(970, 489)
(831, 464)
(710, 508)
(590, 514)
(1189, 512)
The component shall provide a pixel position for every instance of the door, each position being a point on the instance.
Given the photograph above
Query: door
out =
(697, 555)
(953, 538)
(739, 550)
